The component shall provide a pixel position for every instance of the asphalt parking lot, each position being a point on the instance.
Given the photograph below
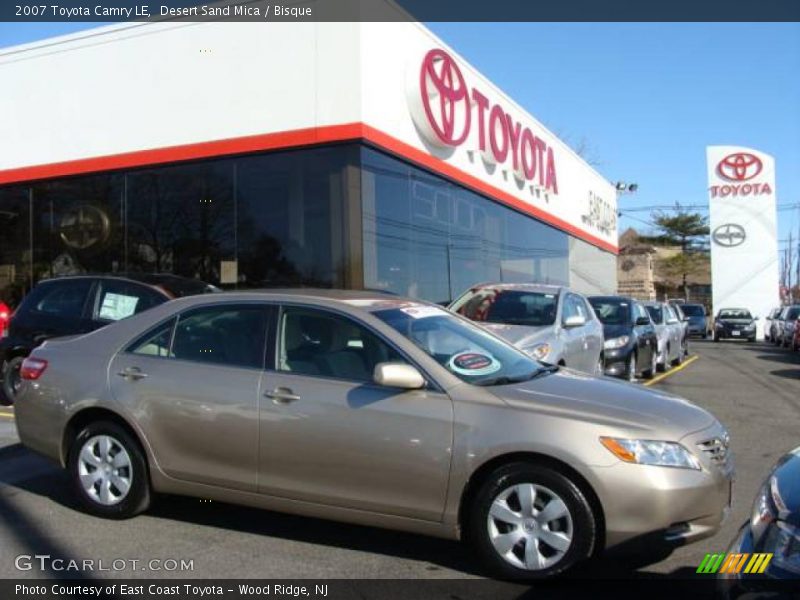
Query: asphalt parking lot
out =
(754, 389)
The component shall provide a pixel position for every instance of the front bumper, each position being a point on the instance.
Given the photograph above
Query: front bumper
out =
(616, 360)
(734, 334)
(669, 506)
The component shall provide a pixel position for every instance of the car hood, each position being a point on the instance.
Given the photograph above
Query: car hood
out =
(787, 481)
(735, 321)
(615, 331)
(606, 401)
(521, 335)
(697, 319)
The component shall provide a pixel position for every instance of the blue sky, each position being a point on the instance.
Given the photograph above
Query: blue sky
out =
(647, 98)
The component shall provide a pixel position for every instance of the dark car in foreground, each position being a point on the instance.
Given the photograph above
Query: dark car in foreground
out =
(773, 529)
(79, 304)
(631, 345)
(735, 324)
(378, 410)
(696, 315)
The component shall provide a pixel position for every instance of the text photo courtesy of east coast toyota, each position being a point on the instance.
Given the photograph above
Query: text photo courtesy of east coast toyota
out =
(297, 301)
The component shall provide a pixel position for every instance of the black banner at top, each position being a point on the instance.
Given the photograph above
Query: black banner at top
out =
(400, 10)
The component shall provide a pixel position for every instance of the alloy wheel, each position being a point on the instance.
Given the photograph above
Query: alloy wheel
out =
(105, 470)
(632, 368)
(530, 526)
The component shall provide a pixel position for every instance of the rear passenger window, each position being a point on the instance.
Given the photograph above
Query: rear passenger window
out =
(121, 299)
(314, 342)
(155, 342)
(223, 335)
(62, 299)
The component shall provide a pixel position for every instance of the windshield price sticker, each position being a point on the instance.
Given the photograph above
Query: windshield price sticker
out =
(473, 364)
(422, 312)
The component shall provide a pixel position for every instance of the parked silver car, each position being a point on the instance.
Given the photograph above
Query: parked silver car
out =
(770, 324)
(669, 330)
(784, 325)
(551, 323)
(378, 410)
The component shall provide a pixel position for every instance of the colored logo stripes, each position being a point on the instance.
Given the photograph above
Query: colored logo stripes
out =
(735, 563)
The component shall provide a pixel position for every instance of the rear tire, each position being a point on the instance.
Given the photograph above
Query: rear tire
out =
(513, 539)
(11, 381)
(109, 471)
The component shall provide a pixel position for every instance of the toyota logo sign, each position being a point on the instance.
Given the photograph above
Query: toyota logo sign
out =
(446, 110)
(729, 235)
(740, 166)
(445, 97)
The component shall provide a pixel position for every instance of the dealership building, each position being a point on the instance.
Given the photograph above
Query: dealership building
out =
(356, 155)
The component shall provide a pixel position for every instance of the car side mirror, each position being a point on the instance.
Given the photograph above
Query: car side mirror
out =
(574, 321)
(642, 321)
(398, 375)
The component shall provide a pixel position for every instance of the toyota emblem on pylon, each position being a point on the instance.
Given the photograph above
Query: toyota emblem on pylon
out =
(445, 97)
(729, 235)
(740, 166)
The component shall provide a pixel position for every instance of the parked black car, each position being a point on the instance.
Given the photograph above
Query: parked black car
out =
(631, 345)
(773, 528)
(735, 324)
(696, 313)
(79, 304)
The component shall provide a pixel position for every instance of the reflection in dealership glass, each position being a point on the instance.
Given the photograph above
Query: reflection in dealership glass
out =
(465, 350)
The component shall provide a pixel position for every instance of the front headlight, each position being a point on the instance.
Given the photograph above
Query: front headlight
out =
(539, 351)
(787, 547)
(617, 342)
(763, 513)
(651, 452)
(718, 325)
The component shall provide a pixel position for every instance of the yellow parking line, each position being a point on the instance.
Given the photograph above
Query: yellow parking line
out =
(5, 415)
(685, 364)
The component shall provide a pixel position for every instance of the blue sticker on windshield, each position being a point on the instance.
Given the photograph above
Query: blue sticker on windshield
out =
(473, 364)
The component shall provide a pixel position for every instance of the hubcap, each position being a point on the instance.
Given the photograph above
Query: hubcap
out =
(105, 471)
(530, 526)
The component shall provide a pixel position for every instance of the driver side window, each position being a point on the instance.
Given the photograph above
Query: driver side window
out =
(315, 342)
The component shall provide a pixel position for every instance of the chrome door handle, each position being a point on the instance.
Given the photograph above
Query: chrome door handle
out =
(282, 395)
(132, 374)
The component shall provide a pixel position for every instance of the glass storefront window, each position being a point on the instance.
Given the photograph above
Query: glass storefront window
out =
(427, 238)
(15, 245)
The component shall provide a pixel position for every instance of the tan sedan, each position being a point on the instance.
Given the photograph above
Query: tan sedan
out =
(377, 410)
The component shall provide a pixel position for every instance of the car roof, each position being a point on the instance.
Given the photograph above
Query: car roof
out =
(359, 299)
(546, 288)
(628, 299)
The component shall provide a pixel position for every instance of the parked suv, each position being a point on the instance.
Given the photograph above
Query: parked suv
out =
(631, 345)
(79, 304)
(550, 323)
(784, 325)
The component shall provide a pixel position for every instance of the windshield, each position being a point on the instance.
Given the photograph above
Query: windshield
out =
(466, 350)
(656, 313)
(611, 311)
(792, 314)
(693, 310)
(734, 313)
(536, 309)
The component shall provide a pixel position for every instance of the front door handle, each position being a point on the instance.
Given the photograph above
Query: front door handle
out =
(132, 374)
(282, 395)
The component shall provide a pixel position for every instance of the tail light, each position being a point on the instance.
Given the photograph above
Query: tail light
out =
(32, 368)
(5, 317)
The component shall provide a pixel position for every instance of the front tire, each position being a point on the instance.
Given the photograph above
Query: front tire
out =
(651, 372)
(109, 471)
(630, 371)
(530, 522)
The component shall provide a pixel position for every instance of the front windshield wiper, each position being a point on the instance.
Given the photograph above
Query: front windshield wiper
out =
(505, 380)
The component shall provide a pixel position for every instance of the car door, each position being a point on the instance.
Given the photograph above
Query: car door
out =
(329, 435)
(593, 338)
(646, 339)
(575, 354)
(191, 383)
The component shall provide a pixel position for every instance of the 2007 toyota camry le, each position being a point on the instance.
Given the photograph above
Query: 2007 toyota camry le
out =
(373, 409)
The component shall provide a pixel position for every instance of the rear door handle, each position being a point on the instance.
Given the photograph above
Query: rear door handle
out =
(282, 395)
(132, 374)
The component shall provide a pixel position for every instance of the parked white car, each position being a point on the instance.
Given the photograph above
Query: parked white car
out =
(669, 330)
